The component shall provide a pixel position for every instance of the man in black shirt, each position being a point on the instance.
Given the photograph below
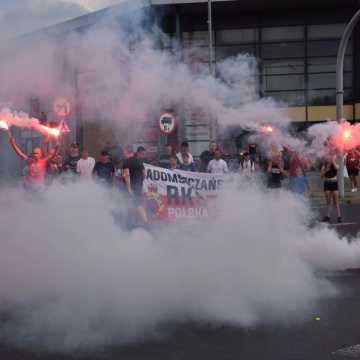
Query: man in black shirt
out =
(164, 159)
(70, 163)
(134, 175)
(207, 155)
(104, 169)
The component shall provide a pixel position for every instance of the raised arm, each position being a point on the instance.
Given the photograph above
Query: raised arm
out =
(16, 148)
(53, 152)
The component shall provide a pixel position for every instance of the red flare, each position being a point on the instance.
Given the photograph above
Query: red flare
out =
(51, 131)
(4, 125)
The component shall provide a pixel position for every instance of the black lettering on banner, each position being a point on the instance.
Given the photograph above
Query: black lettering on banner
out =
(172, 195)
(149, 174)
(203, 185)
(212, 185)
(190, 181)
(163, 176)
(182, 179)
(197, 184)
(172, 178)
(186, 195)
(156, 175)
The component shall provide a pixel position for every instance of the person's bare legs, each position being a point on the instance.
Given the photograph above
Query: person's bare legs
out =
(142, 215)
(328, 203)
(336, 201)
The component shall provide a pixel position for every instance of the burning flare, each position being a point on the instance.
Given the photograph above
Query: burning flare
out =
(4, 125)
(50, 131)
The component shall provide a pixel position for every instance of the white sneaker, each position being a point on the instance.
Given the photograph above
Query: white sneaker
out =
(353, 190)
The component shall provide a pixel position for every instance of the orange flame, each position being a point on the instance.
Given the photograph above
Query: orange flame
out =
(51, 131)
(4, 125)
(347, 134)
(267, 129)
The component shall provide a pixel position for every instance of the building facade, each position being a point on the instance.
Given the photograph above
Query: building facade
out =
(295, 44)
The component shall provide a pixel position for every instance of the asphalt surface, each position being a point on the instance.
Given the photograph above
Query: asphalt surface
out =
(333, 325)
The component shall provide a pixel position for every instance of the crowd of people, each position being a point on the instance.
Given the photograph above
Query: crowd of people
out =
(279, 167)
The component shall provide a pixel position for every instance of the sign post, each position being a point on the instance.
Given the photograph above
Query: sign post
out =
(167, 124)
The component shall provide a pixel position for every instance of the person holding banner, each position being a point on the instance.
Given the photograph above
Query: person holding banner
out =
(185, 150)
(37, 163)
(217, 165)
(134, 175)
(187, 164)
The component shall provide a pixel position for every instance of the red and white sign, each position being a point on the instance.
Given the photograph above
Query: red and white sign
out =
(167, 124)
(62, 107)
(175, 195)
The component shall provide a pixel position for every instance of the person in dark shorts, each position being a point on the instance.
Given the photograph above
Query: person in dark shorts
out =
(329, 170)
(252, 151)
(104, 170)
(352, 167)
(134, 175)
(276, 172)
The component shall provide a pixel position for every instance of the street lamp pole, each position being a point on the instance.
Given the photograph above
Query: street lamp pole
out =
(340, 87)
(211, 62)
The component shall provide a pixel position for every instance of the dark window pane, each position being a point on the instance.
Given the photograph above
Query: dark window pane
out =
(327, 97)
(326, 31)
(293, 98)
(282, 50)
(283, 82)
(326, 81)
(271, 34)
(223, 52)
(326, 48)
(285, 66)
(327, 64)
(196, 38)
(236, 36)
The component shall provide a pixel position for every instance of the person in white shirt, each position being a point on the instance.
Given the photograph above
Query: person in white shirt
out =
(85, 165)
(217, 165)
(185, 149)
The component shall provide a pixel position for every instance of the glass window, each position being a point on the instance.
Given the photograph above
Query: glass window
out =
(327, 31)
(326, 48)
(284, 82)
(327, 97)
(327, 80)
(270, 34)
(196, 38)
(199, 54)
(293, 98)
(327, 64)
(223, 52)
(282, 50)
(322, 97)
(236, 36)
(284, 66)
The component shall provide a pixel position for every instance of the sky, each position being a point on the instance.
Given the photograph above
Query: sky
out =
(22, 16)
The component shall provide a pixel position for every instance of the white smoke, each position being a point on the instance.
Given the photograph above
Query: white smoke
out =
(74, 280)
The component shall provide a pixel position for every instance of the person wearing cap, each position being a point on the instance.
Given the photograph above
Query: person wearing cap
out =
(185, 149)
(104, 169)
(134, 175)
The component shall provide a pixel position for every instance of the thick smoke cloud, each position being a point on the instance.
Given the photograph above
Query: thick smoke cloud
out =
(72, 279)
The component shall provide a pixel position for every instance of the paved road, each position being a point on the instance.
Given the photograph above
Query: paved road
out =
(312, 339)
